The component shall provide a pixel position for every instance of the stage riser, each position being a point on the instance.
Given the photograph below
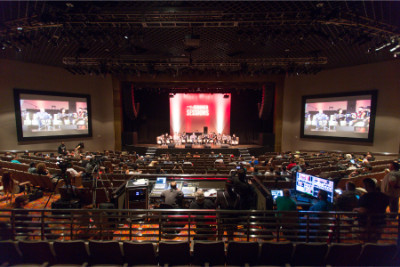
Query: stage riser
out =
(234, 151)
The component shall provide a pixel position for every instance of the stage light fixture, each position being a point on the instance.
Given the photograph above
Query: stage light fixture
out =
(395, 48)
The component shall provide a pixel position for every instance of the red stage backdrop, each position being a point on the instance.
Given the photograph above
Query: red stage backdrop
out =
(191, 112)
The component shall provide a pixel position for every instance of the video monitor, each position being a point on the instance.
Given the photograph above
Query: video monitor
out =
(310, 185)
(345, 116)
(44, 115)
(160, 183)
(276, 193)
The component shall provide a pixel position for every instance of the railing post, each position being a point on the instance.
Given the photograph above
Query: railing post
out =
(159, 226)
(307, 228)
(42, 226)
(398, 230)
(71, 230)
(337, 228)
(278, 223)
(248, 226)
(189, 221)
(12, 219)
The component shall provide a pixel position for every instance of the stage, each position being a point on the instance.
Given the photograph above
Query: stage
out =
(236, 150)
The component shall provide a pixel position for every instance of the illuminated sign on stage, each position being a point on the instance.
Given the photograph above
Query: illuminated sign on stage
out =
(197, 110)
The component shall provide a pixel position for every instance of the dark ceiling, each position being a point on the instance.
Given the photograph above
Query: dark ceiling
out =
(175, 37)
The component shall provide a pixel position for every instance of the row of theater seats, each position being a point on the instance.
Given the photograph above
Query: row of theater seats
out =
(169, 253)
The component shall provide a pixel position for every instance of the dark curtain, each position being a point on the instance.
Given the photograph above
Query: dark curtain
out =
(152, 115)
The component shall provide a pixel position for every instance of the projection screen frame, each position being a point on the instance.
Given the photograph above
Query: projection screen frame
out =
(369, 139)
(17, 106)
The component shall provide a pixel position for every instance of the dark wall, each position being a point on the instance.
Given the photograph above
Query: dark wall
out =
(152, 117)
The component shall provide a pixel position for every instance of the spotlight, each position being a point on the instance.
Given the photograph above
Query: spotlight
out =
(381, 47)
(395, 48)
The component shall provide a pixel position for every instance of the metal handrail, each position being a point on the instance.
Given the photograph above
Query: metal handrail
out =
(183, 224)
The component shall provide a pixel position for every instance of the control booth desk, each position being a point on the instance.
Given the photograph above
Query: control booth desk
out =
(144, 190)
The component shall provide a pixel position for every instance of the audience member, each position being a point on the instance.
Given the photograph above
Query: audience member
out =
(62, 149)
(200, 202)
(390, 186)
(322, 204)
(15, 159)
(348, 200)
(372, 208)
(32, 168)
(285, 202)
(11, 186)
(173, 196)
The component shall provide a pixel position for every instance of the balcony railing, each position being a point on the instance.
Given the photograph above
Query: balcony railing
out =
(187, 225)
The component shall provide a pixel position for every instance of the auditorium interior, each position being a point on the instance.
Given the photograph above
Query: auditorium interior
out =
(199, 133)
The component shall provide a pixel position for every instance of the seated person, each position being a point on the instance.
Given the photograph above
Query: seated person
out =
(11, 186)
(285, 202)
(348, 200)
(172, 197)
(200, 202)
(15, 159)
(32, 168)
(322, 203)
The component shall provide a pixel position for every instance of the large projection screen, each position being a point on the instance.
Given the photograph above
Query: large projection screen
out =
(346, 116)
(192, 112)
(44, 115)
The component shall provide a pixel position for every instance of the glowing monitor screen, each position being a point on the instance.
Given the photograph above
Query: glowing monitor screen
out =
(50, 115)
(349, 116)
(310, 185)
(192, 112)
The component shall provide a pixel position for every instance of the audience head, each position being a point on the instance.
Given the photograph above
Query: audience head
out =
(173, 185)
(322, 195)
(286, 192)
(7, 181)
(32, 165)
(350, 186)
(20, 201)
(41, 167)
(199, 196)
(394, 166)
(369, 184)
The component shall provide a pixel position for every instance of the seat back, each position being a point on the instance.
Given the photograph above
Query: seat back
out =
(377, 254)
(139, 253)
(34, 252)
(211, 252)
(174, 253)
(343, 254)
(242, 253)
(309, 254)
(275, 253)
(105, 252)
(9, 253)
(71, 252)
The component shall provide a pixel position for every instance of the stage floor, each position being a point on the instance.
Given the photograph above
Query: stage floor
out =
(199, 146)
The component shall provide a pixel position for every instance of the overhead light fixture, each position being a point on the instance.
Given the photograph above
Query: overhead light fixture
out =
(126, 37)
(381, 47)
(395, 48)
(20, 28)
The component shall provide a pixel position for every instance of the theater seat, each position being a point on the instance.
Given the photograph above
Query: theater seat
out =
(275, 253)
(377, 255)
(9, 253)
(174, 253)
(36, 252)
(242, 253)
(343, 254)
(309, 254)
(105, 252)
(71, 252)
(209, 253)
(139, 253)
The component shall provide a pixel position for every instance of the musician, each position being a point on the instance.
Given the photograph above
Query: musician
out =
(361, 115)
(42, 115)
(63, 115)
(193, 138)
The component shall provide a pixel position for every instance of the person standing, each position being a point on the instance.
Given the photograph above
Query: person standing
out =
(62, 149)
(390, 186)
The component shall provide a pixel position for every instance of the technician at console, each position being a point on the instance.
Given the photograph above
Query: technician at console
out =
(173, 196)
